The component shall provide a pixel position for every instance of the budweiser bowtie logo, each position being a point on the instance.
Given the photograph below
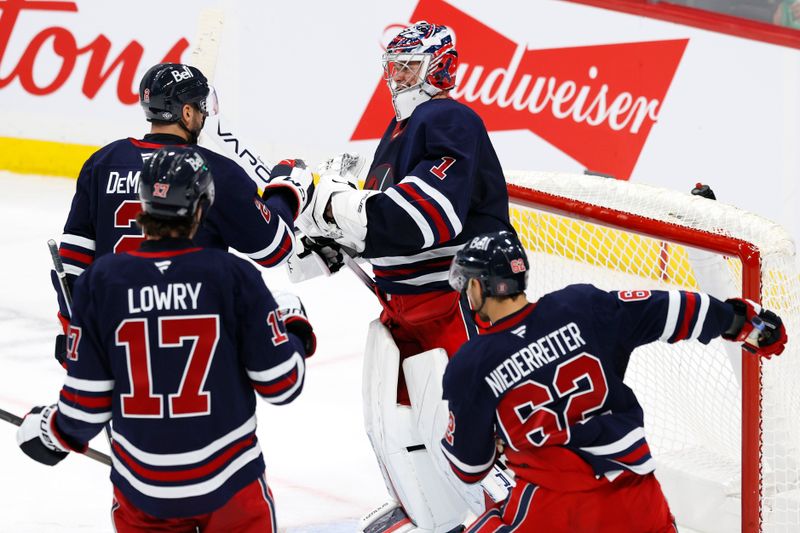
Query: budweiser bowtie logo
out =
(597, 104)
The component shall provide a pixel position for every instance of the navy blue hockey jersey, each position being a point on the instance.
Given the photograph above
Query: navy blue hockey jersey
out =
(169, 343)
(552, 375)
(442, 185)
(106, 202)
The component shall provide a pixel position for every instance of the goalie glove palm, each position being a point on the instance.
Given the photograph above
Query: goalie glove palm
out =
(293, 314)
(292, 175)
(760, 330)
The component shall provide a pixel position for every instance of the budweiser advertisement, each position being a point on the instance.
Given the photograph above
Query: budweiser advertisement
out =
(596, 104)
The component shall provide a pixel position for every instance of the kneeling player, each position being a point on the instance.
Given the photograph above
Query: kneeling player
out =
(173, 339)
(547, 380)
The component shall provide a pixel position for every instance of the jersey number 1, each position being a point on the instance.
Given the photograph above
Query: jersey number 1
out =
(190, 400)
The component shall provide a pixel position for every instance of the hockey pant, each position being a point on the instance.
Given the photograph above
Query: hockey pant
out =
(557, 492)
(422, 322)
(251, 510)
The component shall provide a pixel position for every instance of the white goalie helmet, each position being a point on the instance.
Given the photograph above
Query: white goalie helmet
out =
(418, 64)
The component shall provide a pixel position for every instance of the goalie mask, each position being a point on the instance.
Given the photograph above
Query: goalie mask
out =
(419, 64)
(497, 260)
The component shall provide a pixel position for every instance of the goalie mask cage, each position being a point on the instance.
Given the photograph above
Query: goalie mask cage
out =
(722, 424)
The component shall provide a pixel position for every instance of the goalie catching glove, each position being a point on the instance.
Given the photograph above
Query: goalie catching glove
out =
(761, 331)
(293, 314)
(292, 175)
(337, 209)
(36, 438)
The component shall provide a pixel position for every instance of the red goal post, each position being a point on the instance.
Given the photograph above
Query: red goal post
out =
(723, 437)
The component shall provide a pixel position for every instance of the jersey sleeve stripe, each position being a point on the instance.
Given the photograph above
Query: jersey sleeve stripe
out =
(672, 315)
(277, 371)
(686, 316)
(416, 216)
(428, 210)
(72, 269)
(89, 385)
(279, 386)
(442, 200)
(87, 402)
(187, 491)
(276, 246)
(188, 474)
(701, 316)
(83, 416)
(424, 279)
(283, 252)
(66, 253)
(77, 240)
(467, 468)
(290, 393)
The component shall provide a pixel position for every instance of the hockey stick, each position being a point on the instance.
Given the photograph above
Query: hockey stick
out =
(58, 265)
(61, 274)
(100, 457)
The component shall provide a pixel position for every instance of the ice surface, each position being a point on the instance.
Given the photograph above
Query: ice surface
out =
(319, 463)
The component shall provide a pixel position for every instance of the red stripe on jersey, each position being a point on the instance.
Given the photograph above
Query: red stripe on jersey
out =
(279, 254)
(278, 386)
(77, 256)
(168, 253)
(688, 312)
(512, 320)
(183, 475)
(427, 206)
(635, 455)
(468, 478)
(90, 402)
(383, 271)
(145, 144)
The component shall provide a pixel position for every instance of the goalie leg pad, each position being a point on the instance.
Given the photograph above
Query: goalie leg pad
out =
(407, 467)
(424, 373)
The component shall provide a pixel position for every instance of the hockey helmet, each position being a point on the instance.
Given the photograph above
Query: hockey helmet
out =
(497, 260)
(174, 182)
(418, 64)
(167, 87)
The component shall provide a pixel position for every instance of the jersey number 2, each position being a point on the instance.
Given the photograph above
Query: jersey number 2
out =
(190, 400)
(531, 414)
(125, 217)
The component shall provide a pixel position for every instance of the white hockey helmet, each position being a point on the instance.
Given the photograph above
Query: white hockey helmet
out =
(418, 64)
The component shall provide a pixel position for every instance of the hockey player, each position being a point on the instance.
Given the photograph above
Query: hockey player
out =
(170, 341)
(434, 183)
(176, 99)
(547, 380)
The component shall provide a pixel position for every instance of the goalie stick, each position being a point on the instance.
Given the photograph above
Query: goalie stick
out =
(100, 457)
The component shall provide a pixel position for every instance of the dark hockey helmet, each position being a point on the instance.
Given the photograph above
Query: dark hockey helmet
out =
(174, 182)
(497, 260)
(167, 87)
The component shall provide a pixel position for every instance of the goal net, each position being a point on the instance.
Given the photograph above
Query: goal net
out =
(723, 428)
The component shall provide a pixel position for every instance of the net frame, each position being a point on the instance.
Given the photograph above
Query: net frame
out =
(541, 191)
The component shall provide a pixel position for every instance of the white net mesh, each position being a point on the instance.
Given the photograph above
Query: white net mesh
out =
(691, 394)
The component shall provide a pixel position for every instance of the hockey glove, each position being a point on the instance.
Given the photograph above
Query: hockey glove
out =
(761, 331)
(35, 436)
(293, 314)
(292, 175)
(337, 175)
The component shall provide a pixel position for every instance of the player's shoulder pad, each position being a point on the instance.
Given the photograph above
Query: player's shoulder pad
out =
(465, 363)
(111, 149)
